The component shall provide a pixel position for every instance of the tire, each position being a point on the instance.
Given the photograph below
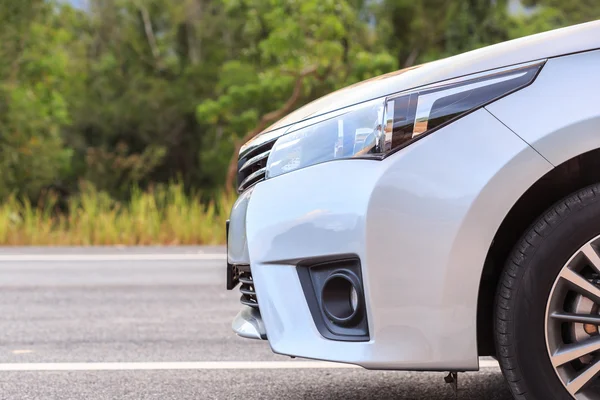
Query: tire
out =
(525, 285)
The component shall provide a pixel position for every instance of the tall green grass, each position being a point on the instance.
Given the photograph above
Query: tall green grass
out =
(165, 215)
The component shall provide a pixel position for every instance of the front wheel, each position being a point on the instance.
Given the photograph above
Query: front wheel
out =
(548, 304)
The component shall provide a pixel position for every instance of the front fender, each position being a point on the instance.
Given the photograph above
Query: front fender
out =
(559, 114)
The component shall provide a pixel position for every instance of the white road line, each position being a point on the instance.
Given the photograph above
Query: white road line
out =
(112, 257)
(202, 365)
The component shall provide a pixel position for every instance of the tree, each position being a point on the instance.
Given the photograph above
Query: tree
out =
(146, 63)
(295, 51)
(563, 13)
(421, 31)
(34, 69)
(126, 93)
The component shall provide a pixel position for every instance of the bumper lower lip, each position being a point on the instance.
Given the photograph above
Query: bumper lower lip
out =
(249, 324)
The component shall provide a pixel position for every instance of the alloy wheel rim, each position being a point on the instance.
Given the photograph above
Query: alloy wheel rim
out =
(572, 323)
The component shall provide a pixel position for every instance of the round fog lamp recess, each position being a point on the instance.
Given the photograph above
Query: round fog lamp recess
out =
(340, 298)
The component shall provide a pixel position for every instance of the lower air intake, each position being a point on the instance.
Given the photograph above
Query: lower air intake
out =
(247, 288)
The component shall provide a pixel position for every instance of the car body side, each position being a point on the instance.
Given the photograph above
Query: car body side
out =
(422, 222)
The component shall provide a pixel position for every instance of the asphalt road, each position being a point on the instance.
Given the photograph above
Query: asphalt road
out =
(155, 324)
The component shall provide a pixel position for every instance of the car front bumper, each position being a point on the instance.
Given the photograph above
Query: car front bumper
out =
(420, 222)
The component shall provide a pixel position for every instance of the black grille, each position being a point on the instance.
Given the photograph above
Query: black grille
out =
(247, 288)
(252, 166)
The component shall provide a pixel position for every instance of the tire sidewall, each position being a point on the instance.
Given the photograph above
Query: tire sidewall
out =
(557, 244)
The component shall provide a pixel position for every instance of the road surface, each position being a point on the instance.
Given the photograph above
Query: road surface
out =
(154, 323)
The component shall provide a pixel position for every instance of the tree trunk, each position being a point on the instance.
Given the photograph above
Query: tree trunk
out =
(149, 33)
(195, 11)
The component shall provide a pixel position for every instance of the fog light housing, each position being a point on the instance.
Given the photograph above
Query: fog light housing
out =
(335, 296)
(340, 298)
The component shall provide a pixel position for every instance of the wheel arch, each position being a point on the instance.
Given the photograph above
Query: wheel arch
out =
(567, 177)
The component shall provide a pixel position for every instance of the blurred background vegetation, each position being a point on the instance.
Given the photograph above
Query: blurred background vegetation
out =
(118, 118)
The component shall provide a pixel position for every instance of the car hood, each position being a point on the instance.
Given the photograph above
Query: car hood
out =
(554, 43)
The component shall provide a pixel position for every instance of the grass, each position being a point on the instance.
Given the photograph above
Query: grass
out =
(162, 216)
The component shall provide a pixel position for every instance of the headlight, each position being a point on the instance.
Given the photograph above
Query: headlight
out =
(379, 127)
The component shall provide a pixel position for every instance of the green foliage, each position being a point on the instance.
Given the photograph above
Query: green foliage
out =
(135, 93)
(420, 31)
(544, 19)
(565, 12)
(314, 45)
(34, 69)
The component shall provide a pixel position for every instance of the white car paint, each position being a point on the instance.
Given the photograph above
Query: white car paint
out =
(421, 229)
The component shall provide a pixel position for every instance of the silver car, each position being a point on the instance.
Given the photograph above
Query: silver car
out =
(427, 217)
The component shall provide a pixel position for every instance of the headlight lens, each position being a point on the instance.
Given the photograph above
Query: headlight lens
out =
(350, 133)
(379, 127)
